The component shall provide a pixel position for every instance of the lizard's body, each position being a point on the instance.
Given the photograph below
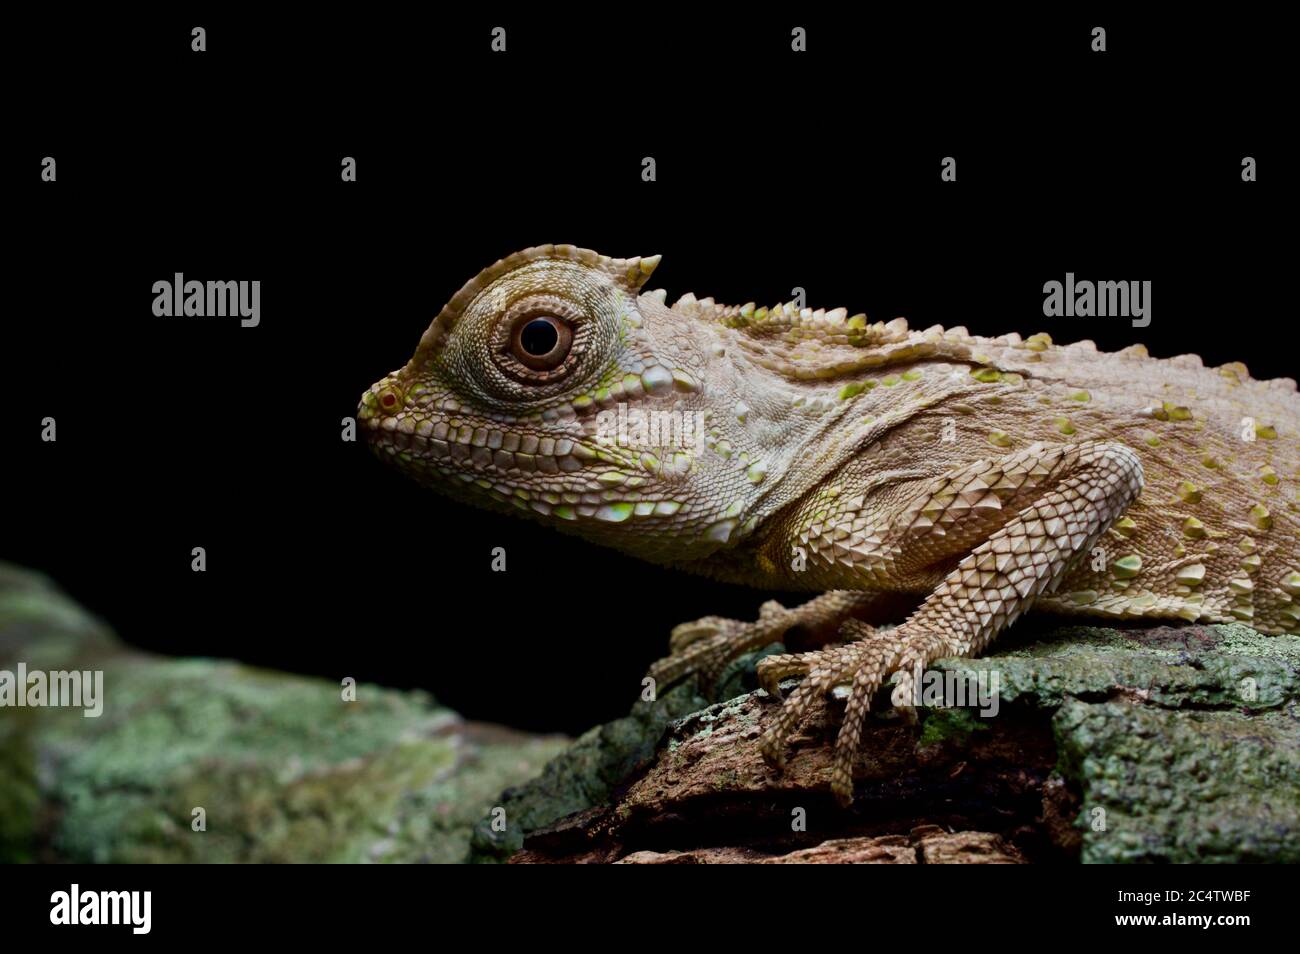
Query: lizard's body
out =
(990, 474)
(1196, 467)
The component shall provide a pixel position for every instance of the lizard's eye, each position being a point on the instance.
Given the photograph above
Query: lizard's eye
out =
(541, 342)
(540, 339)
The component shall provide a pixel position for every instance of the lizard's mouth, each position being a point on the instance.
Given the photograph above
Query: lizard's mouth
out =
(458, 446)
(483, 462)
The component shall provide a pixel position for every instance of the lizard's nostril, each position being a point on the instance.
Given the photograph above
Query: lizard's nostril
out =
(388, 400)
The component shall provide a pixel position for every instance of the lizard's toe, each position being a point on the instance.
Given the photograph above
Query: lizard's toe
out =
(696, 657)
(707, 627)
(827, 668)
(773, 742)
(862, 665)
(916, 651)
(866, 680)
(708, 645)
(902, 698)
(772, 670)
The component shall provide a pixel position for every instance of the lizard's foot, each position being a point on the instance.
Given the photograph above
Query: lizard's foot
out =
(706, 646)
(864, 666)
(773, 670)
(823, 671)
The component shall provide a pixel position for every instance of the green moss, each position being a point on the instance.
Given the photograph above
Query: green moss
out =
(1222, 665)
(284, 769)
(20, 797)
(1182, 786)
(948, 725)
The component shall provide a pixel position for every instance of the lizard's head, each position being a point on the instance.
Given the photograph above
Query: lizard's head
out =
(548, 386)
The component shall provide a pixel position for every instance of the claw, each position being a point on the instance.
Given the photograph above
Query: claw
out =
(772, 670)
(774, 756)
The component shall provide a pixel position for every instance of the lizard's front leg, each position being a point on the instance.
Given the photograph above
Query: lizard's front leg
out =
(1066, 497)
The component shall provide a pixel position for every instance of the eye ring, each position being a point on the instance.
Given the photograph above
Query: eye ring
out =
(509, 346)
(540, 341)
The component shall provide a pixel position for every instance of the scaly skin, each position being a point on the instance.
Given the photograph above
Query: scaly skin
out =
(988, 475)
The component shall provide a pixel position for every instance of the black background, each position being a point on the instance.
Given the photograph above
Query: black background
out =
(775, 170)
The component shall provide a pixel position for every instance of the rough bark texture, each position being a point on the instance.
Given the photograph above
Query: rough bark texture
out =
(925, 845)
(1158, 744)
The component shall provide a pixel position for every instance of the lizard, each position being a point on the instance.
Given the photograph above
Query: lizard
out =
(985, 476)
